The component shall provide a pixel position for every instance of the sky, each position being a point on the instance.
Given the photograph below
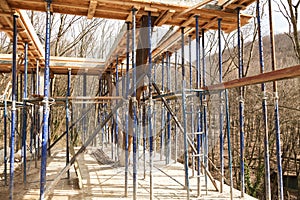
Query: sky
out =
(279, 22)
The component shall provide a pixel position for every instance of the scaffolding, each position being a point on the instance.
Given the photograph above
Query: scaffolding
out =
(146, 104)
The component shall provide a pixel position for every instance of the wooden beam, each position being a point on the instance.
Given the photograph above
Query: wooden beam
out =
(189, 21)
(280, 74)
(5, 6)
(197, 6)
(92, 9)
(163, 17)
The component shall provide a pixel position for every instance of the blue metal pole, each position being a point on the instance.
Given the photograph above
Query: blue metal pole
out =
(127, 96)
(45, 103)
(13, 109)
(135, 134)
(241, 105)
(24, 111)
(150, 107)
(168, 147)
(84, 121)
(5, 139)
(205, 128)
(276, 109)
(199, 121)
(162, 137)
(116, 121)
(229, 145)
(264, 108)
(186, 160)
(67, 121)
(191, 105)
(176, 103)
(221, 109)
(32, 113)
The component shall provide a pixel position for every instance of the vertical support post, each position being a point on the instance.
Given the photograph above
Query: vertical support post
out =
(24, 111)
(186, 160)
(5, 139)
(229, 145)
(37, 74)
(127, 115)
(176, 104)
(264, 107)
(168, 147)
(276, 108)
(13, 109)
(162, 137)
(221, 109)
(205, 128)
(134, 104)
(84, 120)
(191, 107)
(45, 103)
(116, 118)
(67, 121)
(241, 105)
(150, 106)
(32, 112)
(199, 120)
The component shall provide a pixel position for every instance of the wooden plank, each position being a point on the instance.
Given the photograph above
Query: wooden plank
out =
(280, 74)
(189, 21)
(4, 6)
(92, 9)
(76, 167)
(197, 6)
(165, 16)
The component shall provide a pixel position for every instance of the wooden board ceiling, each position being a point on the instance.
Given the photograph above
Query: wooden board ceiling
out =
(170, 14)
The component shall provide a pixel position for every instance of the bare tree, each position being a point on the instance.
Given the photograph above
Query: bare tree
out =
(289, 10)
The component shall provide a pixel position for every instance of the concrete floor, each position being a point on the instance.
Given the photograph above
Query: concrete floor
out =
(106, 181)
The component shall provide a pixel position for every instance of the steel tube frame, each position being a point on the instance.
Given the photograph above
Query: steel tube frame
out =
(162, 137)
(46, 108)
(134, 105)
(221, 115)
(186, 165)
(264, 108)
(5, 139)
(241, 105)
(150, 107)
(84, 121)
(276, 108)
(13, 109)
(168, 142)
(228, 142)
(176, 103)
(204, 101)
(199, 115)
(67, 122)
(116, 118)
(127, 115)
(24, 129)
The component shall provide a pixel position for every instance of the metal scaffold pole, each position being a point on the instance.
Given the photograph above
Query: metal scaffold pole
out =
(204, 101)
(24, 128)
(162, 130)
(67, 122)
(46, 108)
(84, 121)
(221, 109)
(5, 139)
(264, 107)
(241, 106)
(176, 104)
(199, 116)
(168, 138)
(13, 108)
(116, 117)
(185, 137)
(150, 107)
(127, 114)
(276, 108)
(228, 142)
(134, 106)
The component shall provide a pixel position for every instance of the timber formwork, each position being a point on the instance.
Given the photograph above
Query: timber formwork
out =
(140, 17)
